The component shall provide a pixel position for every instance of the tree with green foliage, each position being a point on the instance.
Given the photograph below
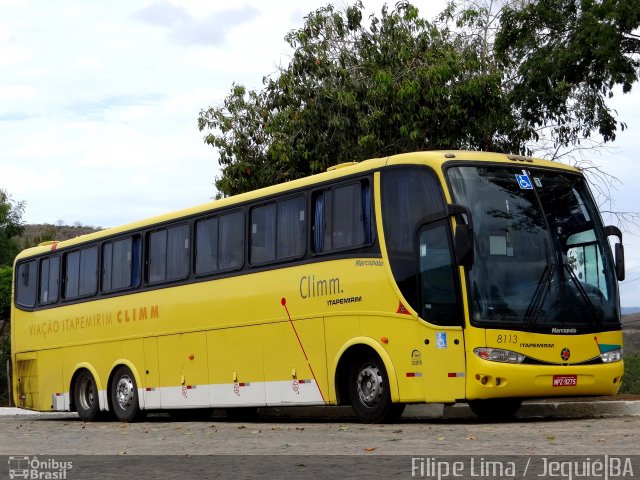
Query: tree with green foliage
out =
(6, 274)
(355, 89)
(5, 313)
(11, 227)
(564, 59)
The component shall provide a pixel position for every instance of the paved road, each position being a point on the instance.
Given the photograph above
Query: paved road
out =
(294, 440)
(65, 434)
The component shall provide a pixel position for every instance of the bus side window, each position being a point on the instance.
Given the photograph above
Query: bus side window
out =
(157, 256)
(169, 254)
(26, 284)
(178, 245)
(263, 234)
(278, 231)
(291, 228)
(342, 217)
(49, 280)
(206, 246)
(231, 241)
(81, 270)
(120, 264)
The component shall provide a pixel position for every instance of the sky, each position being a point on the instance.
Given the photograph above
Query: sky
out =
(99, 104)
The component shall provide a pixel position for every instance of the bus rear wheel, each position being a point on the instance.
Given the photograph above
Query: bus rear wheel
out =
(495, 408)
(124, 395)
(369, 391)
(85, 396)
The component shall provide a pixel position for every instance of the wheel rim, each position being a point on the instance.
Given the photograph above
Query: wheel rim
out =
(125, 392)
(370, 386)
(87, 393)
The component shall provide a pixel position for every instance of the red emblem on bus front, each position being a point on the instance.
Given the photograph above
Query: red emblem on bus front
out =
(565, 354)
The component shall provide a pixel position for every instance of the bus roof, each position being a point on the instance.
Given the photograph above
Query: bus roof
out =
(435, 159)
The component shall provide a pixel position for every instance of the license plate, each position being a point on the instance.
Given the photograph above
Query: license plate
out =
(565, 380)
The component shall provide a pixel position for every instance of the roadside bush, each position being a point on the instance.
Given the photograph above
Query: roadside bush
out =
(5, 293)
(5, 347)
(631, 380)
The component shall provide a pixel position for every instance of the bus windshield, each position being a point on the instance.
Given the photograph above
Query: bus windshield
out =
(541, 258)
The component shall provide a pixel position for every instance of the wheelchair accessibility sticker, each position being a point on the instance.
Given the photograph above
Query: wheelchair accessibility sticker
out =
(524, 182)
(441, 339)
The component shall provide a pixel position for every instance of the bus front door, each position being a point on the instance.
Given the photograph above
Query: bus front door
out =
(440, 308)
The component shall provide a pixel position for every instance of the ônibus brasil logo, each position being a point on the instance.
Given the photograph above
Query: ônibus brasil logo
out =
(33, 467)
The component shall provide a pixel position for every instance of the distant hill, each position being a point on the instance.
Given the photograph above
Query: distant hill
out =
(38, 233)
(630, 310)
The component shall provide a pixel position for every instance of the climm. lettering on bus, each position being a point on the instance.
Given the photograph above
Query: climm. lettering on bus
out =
(135, 314)
(311, 287)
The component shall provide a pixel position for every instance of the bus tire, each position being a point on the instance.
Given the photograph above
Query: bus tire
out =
(495, 408)
(124, 395)
(85, 396)
(369, 391)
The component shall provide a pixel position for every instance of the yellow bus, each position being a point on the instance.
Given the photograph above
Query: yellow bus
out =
(424, 277)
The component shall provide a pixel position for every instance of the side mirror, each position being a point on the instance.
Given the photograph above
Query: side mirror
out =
(618, 251)
(463, 236)
(619, 257)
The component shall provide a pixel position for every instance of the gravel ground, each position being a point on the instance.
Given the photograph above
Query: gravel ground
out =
(65, 434)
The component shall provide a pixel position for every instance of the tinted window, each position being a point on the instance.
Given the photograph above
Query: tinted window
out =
(49, 279)
(231, 245)
(277, 230)
(169, 254)
(342, 217)
(291, 228)
(207, 246)
(88, 271)
(437, 277)
(348, 221)
(158, 256)
(178, 243)
(410, 197)
(220, 243)
(72, 269)
(120, 264)
(26, 284)
(81, 269)
(263, 234)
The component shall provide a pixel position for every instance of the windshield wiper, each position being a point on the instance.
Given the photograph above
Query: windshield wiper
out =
(583, 293)
(533, 310)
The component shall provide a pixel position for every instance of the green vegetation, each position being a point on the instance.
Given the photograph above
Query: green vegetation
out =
(631, 344)
(5, 293)
(35, 234)
(5, 349)
(10, 227)
(485, 75)
(631, 380)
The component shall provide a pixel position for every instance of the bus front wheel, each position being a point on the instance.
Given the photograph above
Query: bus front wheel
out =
(369, 391)
(495, 408)
(124, 395)
(85, 396)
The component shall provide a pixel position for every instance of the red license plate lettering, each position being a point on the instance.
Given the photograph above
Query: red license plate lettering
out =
(565, 380)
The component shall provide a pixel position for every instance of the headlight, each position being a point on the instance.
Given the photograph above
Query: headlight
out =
(612, 356)
(498, 355)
